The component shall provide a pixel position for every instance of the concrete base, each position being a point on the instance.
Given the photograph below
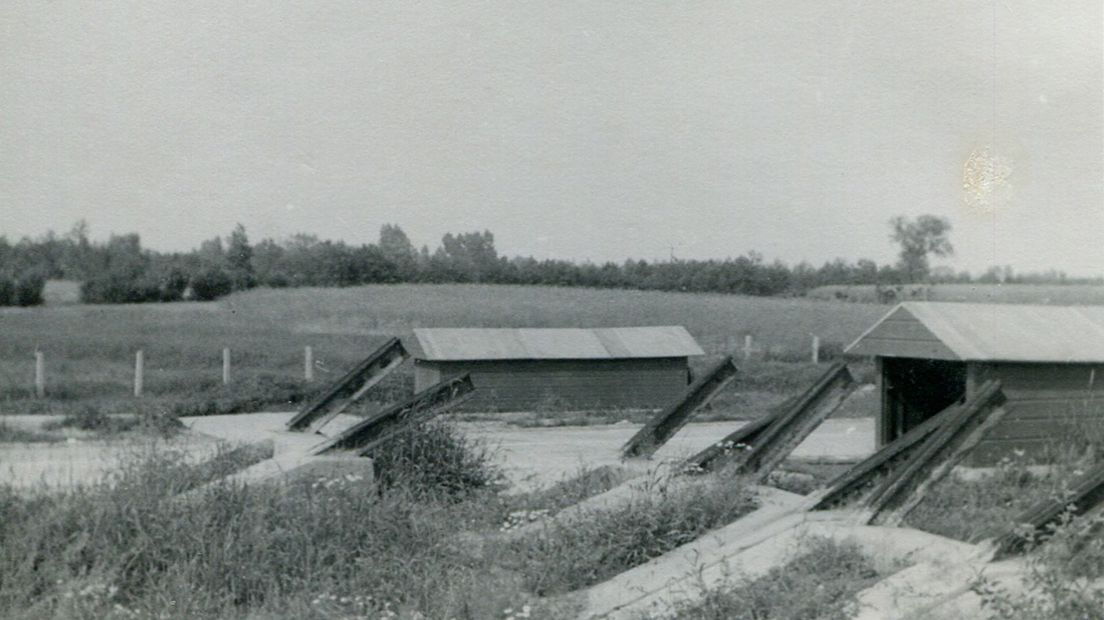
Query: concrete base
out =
(749, 548)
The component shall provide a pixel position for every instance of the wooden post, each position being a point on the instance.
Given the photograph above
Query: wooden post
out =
(308, 363)
(139, 372)
(40, 374)
(816, 349)
(226, 366)
(747, 347)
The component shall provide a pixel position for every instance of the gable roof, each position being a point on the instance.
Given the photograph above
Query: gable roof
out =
(454, 344)
(987, 332)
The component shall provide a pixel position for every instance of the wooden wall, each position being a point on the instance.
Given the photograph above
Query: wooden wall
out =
(527, 385)
(1049, 406)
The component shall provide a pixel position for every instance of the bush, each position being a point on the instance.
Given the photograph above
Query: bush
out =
(211, 283)
(434, 457)
(22, 290)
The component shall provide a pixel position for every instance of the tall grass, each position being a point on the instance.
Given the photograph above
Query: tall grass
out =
(567, 556)
(818, 584)
(135, 548)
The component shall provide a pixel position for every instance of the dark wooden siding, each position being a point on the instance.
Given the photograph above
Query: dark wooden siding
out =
(1050, 406)
(526, 385)
(902, 335)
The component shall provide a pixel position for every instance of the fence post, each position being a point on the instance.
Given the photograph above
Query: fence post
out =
(747, 347)
(139, 372)
(308, 363)
(40, 374)
(226, 366)
(816, 349)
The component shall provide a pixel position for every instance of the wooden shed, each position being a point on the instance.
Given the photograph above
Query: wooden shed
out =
(1047, 358)
(562, 369)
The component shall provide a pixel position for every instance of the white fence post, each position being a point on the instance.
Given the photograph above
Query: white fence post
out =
(747, 347)
(308, 363)
(40, 374)
(816, 349)
(139, 372)
(226, 366)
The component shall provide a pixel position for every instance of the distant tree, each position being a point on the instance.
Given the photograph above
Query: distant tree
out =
(239, 260)
(211, 283)
(396, 248)
(919, 238)
(467, 257)
(118, 273)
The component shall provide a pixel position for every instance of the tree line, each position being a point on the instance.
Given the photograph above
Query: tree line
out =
(120, 270)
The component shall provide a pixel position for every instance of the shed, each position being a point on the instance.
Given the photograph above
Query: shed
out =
(562, 369)
(929, 355)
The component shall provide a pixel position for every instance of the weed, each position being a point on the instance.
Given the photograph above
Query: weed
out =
(435, 457)
(129, 549)
(970, 509)
(569, 556)
(1063, 576)
(15, 434)
(91, 418)
(818, 584)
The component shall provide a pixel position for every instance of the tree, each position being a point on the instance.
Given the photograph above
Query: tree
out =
(919, 238)
(396, 248)
(239, 260)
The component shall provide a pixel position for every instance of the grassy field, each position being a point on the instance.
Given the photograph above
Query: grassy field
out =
(1057, 294)
(90, 350)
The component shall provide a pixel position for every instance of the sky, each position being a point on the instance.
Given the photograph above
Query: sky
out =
(580, 130)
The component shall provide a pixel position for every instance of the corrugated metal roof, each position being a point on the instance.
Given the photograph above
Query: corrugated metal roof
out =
(444, 344)
(1006, 332)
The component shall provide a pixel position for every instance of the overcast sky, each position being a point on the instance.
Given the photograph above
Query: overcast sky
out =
(584, 130)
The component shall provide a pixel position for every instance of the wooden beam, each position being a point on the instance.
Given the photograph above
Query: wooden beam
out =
(370, 433)
(790, 428)
(867, 472)
(351, 387)
(667, 422)
(899, 494)
(1086, 496)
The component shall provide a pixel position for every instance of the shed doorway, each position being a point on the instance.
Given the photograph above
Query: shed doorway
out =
(914, 390)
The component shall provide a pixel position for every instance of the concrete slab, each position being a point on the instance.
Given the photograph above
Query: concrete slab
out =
(291, 459)
(749, 548)
(538, 457)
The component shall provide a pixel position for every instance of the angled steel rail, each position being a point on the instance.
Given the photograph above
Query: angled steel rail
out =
(367, 435)
(716, 455)
(794, 424)
(865, 474)
(1086, 496)
(667, 422)
(900, 493)
(351, 387)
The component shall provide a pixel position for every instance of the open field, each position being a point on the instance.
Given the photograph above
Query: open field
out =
(1057, 294)
(90, 349)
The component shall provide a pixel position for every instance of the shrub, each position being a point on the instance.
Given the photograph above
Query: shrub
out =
(27, 289)
(434, 457)
(211, 283)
